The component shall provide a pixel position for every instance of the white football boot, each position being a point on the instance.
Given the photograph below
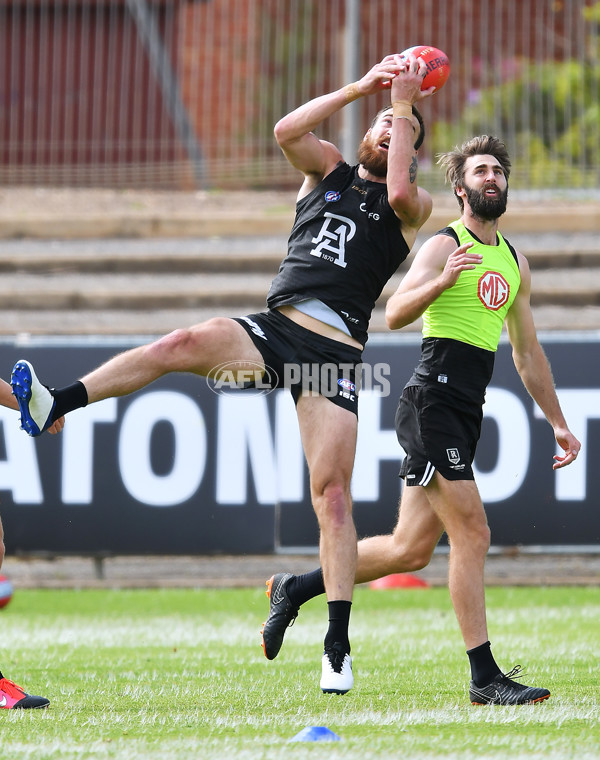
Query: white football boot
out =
(336, 671)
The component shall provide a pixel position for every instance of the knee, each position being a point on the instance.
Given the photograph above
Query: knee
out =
(332, 502)
(167, 351)
(182, 348)
(475, 535)
(481, 535)
(416, 555)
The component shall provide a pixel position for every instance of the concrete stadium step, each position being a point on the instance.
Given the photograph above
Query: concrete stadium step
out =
(132, 322)
(151, 286)
(226, 292)
(140, 291)
(51, 324)
(229, 254)
(566, 287)
(234, 254)
(49, 213)
(66, 290)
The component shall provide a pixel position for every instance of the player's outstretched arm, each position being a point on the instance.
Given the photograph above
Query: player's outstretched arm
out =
(534, 368)
(435, 268)
(294, 132)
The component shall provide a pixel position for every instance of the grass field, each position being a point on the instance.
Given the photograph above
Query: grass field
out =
(180, 674)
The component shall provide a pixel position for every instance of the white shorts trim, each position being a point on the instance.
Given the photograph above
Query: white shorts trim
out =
(427, 475)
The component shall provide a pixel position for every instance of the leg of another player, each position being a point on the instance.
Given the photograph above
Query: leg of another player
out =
(409, 547)
(459, 507)
(11, 695)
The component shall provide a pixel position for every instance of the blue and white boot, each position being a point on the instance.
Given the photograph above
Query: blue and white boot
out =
(36, 403)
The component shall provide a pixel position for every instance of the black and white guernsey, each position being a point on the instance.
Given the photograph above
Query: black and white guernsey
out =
(345, 245)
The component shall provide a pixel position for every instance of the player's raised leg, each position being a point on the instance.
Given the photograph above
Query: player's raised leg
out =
(199, 349)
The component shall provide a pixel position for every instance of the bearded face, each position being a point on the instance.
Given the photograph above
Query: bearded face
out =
(373, 159)
(484, 204)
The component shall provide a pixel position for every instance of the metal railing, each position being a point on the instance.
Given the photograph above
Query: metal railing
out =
(184, 93)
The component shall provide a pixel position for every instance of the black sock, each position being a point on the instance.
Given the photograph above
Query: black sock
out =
(67, 399)
(304, 587)
(339, 620)
(483, 665)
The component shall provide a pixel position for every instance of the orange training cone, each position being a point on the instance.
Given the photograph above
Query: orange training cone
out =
(398, 580)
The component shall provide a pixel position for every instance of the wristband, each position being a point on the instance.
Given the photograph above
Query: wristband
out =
(351, 92)
(402, 109)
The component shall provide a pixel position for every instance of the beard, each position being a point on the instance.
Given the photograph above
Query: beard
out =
(373, 161)
(484, 207)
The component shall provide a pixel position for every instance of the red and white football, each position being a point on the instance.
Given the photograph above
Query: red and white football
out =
(438, 65)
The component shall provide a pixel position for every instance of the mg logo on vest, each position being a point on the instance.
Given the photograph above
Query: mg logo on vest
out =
(493, 290)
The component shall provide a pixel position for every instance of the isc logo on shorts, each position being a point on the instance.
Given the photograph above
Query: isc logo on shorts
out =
(493, 290)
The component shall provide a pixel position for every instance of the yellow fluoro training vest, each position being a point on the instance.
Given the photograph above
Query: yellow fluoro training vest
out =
(473, 310)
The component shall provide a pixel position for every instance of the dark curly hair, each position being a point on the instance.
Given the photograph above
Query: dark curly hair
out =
(454, 161)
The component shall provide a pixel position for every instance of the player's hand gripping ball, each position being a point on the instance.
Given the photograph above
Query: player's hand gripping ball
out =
(438, 65)
(6, 591)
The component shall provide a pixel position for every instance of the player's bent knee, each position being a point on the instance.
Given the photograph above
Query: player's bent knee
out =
(167, 352)
(412, 557)
(417, 560)
(181, 348)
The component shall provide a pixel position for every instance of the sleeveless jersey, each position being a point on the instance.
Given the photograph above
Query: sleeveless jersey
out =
(473, 310)
(345, 245)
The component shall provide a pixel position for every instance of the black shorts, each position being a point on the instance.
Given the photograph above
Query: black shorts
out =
(303, 361)
(437, 432)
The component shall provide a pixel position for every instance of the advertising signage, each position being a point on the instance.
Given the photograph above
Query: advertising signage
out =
(188, 467)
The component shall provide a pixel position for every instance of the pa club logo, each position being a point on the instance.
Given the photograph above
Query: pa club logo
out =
(493, 290)
(332, 195)
(453, 456)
